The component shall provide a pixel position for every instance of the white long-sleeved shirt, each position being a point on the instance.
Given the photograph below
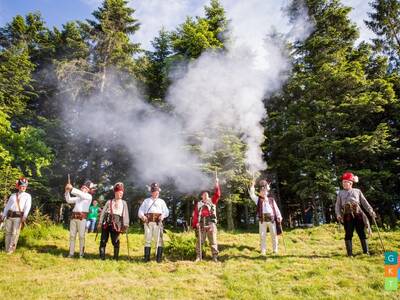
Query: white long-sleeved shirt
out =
(25, 203)
(267, 209)
(159, 207)
(82, 200)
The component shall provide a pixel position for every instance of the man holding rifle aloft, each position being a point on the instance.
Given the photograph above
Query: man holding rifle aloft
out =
(349, 212)
(268, 215)
(205, 221)
(152, 212)
(114, 219)
(15, 213)
(82, 199)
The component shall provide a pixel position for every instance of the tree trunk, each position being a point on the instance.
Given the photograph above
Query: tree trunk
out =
(246, 216)
(174, 216)
(229, 215)
(103, 80)
(188, 212)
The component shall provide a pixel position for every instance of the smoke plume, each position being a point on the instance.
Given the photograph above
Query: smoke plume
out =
(219, 89)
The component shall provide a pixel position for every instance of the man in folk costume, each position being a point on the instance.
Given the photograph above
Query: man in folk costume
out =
(268, 214)
(82, 199)
(205, 221)
(114, 219)
(15, 213)
(152, 212)
(349, 212)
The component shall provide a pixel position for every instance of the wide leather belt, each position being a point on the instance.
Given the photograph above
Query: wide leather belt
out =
(79, 215)
(14, 214)
(153, 217)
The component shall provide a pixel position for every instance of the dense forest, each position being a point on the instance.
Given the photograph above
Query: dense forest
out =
(67, 106)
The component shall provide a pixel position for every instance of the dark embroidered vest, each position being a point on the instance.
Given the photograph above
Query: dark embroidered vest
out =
(260, 207)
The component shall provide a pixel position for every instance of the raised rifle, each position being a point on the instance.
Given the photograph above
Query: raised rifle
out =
(68, 182)
(200, 242)
(283, 239)
(127, 243)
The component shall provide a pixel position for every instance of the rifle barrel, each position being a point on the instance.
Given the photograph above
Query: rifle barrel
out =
(200, 242)
(379, 234)
(127, 244)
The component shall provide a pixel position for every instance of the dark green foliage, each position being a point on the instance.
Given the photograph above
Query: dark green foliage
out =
(155, 72)
(15, 79)
(330, 116)
(22, 150)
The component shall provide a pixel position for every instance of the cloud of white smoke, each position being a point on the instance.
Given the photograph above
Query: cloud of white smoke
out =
(219, 89)
(227, 89)
(152, 138)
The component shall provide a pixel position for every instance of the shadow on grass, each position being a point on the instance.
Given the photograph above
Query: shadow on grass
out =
(223, 247)
(279, 257)
(54, 250)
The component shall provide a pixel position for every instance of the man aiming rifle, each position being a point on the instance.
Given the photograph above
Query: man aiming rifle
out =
(268, 214)
(82, 199)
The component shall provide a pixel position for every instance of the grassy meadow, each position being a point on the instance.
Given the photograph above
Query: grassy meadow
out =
(314, 266)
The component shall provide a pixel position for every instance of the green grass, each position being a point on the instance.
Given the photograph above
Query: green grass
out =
(314, 266)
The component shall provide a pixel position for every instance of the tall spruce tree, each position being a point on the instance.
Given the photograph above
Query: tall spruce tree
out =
(385, 23)
(328, 118)
(156, 71)
(110, 31)
(216, 19)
